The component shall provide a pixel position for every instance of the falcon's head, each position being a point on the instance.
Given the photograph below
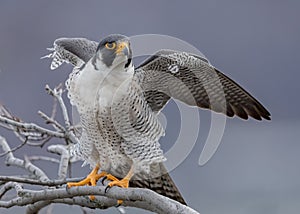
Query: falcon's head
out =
(114, 51)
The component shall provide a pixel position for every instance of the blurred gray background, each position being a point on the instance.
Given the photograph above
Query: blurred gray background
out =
(256, 168)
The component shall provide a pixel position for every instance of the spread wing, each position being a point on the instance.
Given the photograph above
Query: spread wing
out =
(183, 76)
(76, 51)
(192, 80)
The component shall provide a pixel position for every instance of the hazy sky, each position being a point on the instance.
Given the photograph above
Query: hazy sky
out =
(256, 43)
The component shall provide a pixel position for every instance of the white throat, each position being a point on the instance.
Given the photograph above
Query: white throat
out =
(91, 87)
(114, 86)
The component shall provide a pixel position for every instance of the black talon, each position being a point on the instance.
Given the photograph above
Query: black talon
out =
(107, 188)
(103, 179)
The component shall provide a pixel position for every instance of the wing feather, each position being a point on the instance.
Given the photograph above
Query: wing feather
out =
(76, 51)
(192, 80)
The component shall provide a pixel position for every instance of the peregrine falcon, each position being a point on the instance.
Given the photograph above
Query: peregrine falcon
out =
(118, 106)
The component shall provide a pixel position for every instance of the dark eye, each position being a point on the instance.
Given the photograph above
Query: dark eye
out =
(110, 45)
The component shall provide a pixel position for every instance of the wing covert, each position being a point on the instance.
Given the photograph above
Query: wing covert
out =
(192, 80)
(76, 51)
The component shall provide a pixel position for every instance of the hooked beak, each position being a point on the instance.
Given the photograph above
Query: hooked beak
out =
(123, 47)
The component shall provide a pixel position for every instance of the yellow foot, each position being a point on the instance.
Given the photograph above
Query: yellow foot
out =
(90, 180)
(124, 183)
(109, 177)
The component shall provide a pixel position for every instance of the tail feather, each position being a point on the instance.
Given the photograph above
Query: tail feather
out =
(159, 181)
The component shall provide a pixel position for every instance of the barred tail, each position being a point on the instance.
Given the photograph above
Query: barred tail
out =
(162, 183)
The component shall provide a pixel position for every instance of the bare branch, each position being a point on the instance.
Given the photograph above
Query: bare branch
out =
(100, 203)
(64, 161)
(44, 158)
(4, 112)
(38, 182)
(31, 127)
(36, 207)
(14, 149)
(42, 143)
(54, 108)
(6, 187)
(50, 120)
(141, 198)
(26, 164)
(10, 159)
(49, 159)
(57, 93)
(39, 174)
(10, 185)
